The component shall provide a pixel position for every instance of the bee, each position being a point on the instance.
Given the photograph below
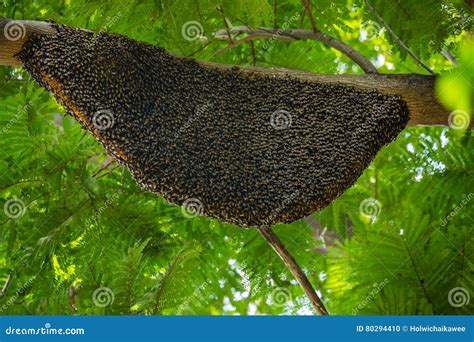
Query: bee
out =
(242, 147)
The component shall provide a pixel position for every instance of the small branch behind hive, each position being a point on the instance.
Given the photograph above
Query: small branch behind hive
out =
(294, 268)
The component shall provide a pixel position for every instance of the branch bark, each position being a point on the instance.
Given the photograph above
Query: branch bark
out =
(397, 39)
(308, 10)
(416, 90)
(301, 34)
(294, 268)
(15, 33)
(5, 287)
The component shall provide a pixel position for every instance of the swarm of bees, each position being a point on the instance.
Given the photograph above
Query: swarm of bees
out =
(246, 148)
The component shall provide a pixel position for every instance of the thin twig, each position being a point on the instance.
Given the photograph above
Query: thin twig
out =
(303, 15)
(449, 56)
(275, 21)
(226, 24)
(418, 277)
(397, 39)
(4, 290)
(307, 8)
(254, 56)
(103, 167)
(237, 42)
(198, 50)
(295, 34)
(109, 172)
(294, 268)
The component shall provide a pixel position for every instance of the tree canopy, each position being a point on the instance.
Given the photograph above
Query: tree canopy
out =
(78, 235)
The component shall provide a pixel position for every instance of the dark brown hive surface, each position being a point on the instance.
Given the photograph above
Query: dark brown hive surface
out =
(252, 149)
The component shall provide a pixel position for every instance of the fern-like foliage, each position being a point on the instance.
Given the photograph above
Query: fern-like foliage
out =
(78, 236)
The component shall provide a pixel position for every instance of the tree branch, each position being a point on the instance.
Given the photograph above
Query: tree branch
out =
(15, 33)
(5, 287)
(226, 24)
(417, 274)
(275, 21)
(233, 43)
(300, 34)
(294, 268)
(449, 56)
(307, 8)
(416, 90)
(398, 40)
(254, 55)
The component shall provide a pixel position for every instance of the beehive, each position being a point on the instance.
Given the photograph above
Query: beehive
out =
(250, 149)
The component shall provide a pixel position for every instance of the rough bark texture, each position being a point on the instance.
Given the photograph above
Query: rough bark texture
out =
(15, 33)
(416, 90)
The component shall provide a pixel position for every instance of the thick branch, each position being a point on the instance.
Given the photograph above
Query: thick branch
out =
(294, 268)
(300, 34)
(416, 90)
(14, 33)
